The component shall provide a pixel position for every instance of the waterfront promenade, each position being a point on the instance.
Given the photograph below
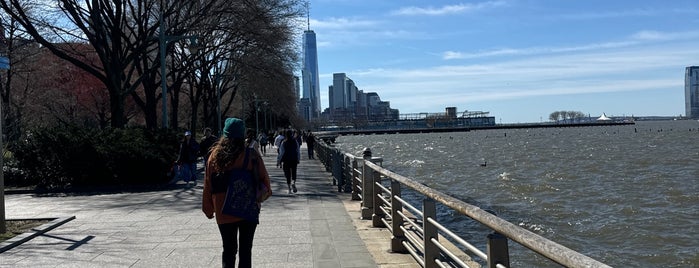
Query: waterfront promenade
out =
(315, 227)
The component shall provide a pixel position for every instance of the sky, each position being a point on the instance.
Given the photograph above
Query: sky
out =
(520, 60)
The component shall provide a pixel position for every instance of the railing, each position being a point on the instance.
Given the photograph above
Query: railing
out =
(417, 231)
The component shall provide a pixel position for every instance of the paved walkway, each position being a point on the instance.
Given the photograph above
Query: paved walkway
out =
(316, 227)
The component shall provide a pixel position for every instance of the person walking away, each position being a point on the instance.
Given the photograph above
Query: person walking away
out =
(278, 140)
(187, 158)
(229, 153)
(252, 143)
(310, 141)
(297, 136)
(263, 142)
(205, 144)
(288, 158)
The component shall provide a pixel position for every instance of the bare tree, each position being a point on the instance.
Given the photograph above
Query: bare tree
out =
(120, 31)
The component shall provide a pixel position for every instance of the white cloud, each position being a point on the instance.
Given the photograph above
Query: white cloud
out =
(343, 23)
(448, 9)
(638, 38)
(637, 69)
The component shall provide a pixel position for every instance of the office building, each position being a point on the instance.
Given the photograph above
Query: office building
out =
(691, 92)
(309, 73)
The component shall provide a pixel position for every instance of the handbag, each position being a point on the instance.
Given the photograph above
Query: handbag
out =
(241, 193)
(263, 193)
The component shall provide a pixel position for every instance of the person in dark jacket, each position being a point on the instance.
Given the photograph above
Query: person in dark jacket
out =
(187, 158)
(310, 141)
(288, 158)
(205, 145)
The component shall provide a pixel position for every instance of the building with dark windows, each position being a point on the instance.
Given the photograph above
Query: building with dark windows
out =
(691, 92)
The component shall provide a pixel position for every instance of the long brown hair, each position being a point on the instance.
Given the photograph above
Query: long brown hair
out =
(225, 151)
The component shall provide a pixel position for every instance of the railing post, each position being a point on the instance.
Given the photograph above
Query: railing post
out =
(429, 210)
(497, 249)
(378, 212)
(355, 175)
(367, 189)
(337, 168)
(396, 220)
(498, 252)
(349, 171)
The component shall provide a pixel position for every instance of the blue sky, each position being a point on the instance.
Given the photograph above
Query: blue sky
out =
(520, 60)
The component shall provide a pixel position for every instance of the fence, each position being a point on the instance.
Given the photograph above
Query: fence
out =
(417, 231)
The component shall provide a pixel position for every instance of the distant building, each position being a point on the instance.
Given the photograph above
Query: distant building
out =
(309, 73)
(348, 103)
(691, 92)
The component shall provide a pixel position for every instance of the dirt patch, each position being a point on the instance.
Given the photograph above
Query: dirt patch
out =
(17, 227)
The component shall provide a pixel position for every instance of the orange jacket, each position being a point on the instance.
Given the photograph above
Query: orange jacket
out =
(212, 203)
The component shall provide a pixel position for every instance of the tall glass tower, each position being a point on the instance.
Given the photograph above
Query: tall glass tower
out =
(691, 92)
(309, 73)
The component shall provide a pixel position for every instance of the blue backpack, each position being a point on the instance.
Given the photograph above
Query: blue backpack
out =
(241, 194)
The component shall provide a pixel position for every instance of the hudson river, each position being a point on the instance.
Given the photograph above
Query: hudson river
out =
(627, 196)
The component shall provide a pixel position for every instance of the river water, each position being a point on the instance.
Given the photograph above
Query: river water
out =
(627, 196)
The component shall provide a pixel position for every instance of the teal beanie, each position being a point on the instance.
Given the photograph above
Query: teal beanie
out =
(234, 128)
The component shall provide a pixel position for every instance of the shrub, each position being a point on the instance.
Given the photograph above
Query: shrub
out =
(70, 156)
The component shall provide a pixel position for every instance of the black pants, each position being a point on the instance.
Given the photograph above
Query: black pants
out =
(231, 245)
(290, 171)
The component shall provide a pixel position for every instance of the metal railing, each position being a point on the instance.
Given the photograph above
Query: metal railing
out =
(416, 230)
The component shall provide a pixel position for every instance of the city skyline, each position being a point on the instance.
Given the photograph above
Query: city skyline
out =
(518, 60)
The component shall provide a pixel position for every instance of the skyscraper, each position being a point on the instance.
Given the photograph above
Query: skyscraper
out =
(309, 73)
(691, 92)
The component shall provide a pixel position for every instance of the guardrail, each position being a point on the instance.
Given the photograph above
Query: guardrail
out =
(417, 231)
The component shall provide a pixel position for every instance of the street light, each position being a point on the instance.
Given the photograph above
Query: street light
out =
(257, 109)
(219, 84)
(4, 65)
(162, 45)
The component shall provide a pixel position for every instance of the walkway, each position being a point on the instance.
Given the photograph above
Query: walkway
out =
(316, 227)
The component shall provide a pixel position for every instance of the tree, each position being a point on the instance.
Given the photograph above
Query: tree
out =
(120, 32)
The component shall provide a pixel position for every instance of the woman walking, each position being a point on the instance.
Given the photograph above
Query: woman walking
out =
(288, 158)
(229, 154)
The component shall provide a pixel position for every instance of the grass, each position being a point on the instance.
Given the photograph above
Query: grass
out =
(17, 227)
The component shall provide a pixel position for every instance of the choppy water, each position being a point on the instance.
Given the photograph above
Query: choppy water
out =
(627, 196)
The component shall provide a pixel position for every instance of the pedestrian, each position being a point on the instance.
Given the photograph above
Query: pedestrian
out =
(278, 140)
(297, 136)
(310, 141)
(288, 158)
(262, 138)
(251, 142)
(187, 158)
(205, 144)
(229, 154)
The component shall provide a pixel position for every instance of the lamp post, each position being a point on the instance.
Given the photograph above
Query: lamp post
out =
(219, 84)
(257, 109)
(162, 45)
(4, 65)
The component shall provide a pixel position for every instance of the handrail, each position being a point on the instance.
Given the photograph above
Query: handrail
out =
(362, 176)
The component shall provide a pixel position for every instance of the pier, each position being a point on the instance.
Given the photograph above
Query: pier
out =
(331, 136)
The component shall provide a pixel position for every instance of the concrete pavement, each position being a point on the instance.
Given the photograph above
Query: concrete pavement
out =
(316, 227)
